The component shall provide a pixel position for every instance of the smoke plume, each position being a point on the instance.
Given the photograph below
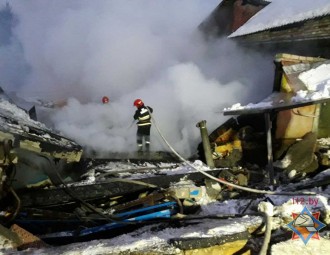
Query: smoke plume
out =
(79, 51)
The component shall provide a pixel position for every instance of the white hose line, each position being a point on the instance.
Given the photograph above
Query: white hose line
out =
(268, 234)
(222, 181)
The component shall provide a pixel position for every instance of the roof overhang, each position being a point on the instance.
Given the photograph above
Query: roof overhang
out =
(277, 101)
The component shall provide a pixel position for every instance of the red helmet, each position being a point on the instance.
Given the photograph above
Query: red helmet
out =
(138, 103)
(105, 100)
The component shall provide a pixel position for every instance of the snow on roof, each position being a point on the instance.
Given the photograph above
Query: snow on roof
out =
(283, 12)
(316, 80)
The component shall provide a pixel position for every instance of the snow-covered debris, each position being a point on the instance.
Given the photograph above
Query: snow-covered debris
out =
(10, 110)
(238, 106)
(295, 247)
(316, 81)
(318, 78)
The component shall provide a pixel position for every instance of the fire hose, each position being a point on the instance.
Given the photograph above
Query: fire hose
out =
(267, 218)
(221, 180)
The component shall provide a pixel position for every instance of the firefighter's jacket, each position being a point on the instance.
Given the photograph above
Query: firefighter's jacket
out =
(142, 116)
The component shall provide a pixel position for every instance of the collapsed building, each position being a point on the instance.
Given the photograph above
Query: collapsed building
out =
(35, 161)
(262, 134)
(283, 131)
(46, 199)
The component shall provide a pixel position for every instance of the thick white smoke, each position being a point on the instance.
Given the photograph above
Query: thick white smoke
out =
(81, 50)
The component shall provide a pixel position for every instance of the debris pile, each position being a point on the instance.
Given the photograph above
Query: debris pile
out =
(50, 194)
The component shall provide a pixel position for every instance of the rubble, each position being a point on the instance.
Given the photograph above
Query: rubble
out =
(46, 179)
(300, 157)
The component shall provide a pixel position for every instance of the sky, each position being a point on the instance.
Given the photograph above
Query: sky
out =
(79, 51)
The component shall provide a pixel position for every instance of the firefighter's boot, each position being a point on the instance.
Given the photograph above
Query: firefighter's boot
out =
(139, 149)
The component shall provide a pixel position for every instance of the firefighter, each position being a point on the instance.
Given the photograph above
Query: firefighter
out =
(143, 117)
(105, 100)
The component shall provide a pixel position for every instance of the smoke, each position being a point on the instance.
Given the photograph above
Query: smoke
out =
(80, 51)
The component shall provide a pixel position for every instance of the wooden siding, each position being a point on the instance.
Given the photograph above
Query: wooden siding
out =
(314, 29)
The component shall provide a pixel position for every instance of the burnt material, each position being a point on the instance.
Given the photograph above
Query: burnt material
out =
(300, 155)
(111, 188)
(189, 243)
(26, 133)
(206, 143)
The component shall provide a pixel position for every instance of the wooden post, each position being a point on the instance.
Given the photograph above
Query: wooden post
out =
(269, 167)
(206, 143)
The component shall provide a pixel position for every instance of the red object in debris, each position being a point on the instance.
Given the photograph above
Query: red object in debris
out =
(105, 100)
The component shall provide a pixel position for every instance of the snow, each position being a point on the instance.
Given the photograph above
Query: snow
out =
(283, 12)
(163, 168)
(316, 80)
(11, 110)
(238, 106)
(146, 238)
(292, 247)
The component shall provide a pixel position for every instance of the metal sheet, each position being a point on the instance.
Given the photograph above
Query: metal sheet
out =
(277, 101)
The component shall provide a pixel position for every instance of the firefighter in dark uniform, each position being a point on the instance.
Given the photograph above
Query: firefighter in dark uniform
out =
(143, 117)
